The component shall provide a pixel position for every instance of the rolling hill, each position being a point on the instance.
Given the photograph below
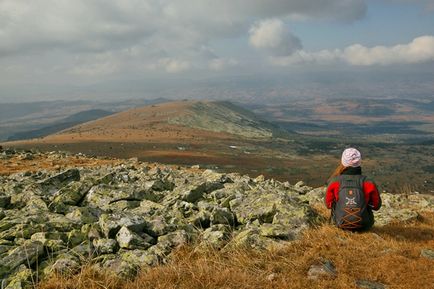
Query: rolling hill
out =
(171, 122)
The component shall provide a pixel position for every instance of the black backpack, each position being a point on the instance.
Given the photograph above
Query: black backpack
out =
(351, 212)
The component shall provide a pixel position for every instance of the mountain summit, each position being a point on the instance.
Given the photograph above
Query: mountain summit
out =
(174, 121)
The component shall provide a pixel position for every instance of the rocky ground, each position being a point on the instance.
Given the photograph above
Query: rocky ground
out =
(125, 215)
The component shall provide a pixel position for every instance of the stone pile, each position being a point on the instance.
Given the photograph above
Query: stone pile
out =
(122, 218)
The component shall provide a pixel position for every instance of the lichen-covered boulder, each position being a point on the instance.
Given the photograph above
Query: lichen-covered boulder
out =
(121, 268)
(27, 253)
(21, 279)
(276, 231)
(111, 223)
(140, 258)
(195, 192)
(222, 216)
(64, 264)
(105, 246)
(277, 208)
(128, 239)
(84, 215)
(70, 195)
(52, 184)
(5, 200)
(216, 235)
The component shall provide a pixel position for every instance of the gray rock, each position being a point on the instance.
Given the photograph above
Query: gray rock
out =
(84, 215)
(201, 219)
(105, 196)
(128, 239)
(111, 223)
(105, 246)
(158, 227)
(27, 253)
(70, 195)
(5, 200)
(36, 205)
(196, 192)
(222, 216)
(148, 207)
(254, 208)
(216, 235)
(248, 238)
(140, 258)
(63, 265)
(123, 205)
(160, 185)
(84, 251)
(121, 268)
(52, 184)
(53, 241)
(75, 237)
(276, 208)
(169, 242)
(21, 279)
(325, 268)
(276, 231)
(427, 253)
(4, 249)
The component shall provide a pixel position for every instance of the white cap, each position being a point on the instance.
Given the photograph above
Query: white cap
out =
(351, 158)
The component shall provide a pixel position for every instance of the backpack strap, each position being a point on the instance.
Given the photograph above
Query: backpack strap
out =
(350, 181)
(333, 179)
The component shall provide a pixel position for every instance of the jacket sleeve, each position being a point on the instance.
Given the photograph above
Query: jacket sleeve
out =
(371, 191)
(330, 197)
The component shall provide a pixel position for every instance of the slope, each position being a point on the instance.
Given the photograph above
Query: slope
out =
(171, 122)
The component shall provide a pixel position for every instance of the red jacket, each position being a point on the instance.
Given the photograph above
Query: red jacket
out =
(372, 196)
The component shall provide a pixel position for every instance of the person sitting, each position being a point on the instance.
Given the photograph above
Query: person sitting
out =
(350, 195)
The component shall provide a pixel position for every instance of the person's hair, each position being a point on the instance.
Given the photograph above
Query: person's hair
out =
(338, 171)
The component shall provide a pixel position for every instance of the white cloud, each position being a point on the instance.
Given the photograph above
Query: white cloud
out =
(421, 49)
(274, 37)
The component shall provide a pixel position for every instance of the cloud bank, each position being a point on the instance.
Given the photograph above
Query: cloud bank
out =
(421, 49)
(108, 36)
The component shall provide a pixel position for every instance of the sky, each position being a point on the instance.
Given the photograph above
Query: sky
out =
(109, 49)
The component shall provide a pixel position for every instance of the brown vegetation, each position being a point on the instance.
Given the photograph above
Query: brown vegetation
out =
(389, 255)
(17, 165)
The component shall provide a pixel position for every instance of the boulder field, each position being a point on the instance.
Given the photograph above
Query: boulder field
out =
(133, 215)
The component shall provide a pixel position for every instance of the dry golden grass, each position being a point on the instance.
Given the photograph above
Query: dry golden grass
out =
(390, 255)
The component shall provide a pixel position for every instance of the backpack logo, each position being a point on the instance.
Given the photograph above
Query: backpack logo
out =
(350, 201)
